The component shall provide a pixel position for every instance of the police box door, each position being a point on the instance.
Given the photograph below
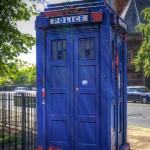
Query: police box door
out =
(72, 86)
(86, 91)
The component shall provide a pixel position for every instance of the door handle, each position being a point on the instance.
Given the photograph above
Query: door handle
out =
(77, 89)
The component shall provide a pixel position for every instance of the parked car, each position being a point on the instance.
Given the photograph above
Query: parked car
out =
(21, 90)
(138, 94)
(33, 89)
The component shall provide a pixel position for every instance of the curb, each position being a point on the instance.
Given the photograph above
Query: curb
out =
(138, 128)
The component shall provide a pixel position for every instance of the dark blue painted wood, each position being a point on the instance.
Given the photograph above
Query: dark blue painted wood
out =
(85, 106)
(105, 61)
(83, 4)
(41, 137)
(120, 90)
(125, 89)
(86, 99)
(58, 87)
(113, 86)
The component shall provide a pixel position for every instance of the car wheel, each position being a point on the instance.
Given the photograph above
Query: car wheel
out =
(144, 100)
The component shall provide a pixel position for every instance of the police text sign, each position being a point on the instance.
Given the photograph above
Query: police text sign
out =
(69, 19)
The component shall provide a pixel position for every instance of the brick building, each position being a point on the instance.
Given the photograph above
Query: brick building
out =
(119, 5)
(130, 11)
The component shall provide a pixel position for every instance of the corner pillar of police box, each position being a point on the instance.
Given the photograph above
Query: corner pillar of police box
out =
(122, 25)
(105, 73)
(117, 24)
(40, 72)
(121, 29)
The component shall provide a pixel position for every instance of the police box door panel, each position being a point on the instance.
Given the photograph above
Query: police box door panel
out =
(86, 91)
(117, 107)
(72, 87)
(58, 90)
(120, 91)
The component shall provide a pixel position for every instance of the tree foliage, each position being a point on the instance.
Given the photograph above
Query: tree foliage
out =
(142, 60)
(12, 41)
(25, 76)
(20, 73)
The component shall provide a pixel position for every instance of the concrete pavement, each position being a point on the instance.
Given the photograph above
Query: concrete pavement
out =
(138, 137)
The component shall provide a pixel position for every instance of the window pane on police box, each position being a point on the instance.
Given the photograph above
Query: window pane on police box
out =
(59, 45)
(54, 45)
(64, 44)
(54, 55)
(82, 44)
(88, 44)
(64, 55)
(92, 55)
(92, 44)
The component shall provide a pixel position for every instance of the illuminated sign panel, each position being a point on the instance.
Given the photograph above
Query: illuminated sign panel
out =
(69, 19)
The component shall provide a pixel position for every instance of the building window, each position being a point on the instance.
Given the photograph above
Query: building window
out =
(59, 49)
(86, 48)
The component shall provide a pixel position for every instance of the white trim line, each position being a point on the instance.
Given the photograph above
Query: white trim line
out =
(125, 10)
(137, 13)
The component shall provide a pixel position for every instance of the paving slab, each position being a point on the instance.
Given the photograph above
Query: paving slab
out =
(139, 138)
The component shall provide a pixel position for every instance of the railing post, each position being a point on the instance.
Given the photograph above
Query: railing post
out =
(4, 117)
(18, 131)
(23, 122)
(9, 117)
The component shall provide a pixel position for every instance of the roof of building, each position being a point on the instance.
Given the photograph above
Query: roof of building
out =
(132, 13)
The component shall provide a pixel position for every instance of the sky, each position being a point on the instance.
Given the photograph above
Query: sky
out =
(28, 27)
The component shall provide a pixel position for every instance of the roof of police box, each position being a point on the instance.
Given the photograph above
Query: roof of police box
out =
(86, 4)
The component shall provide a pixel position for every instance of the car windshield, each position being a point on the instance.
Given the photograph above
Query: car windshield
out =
(132, 89)
(21, 88)
(144, 90)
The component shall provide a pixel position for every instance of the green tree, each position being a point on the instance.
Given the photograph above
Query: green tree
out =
(12, 41)
(142, 60)
(31, 76)
(26, 76)
(20, 73)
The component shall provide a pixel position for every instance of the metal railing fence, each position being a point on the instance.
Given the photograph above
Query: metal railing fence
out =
(18, 121)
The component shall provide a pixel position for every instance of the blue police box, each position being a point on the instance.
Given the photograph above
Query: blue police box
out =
(81, 77)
